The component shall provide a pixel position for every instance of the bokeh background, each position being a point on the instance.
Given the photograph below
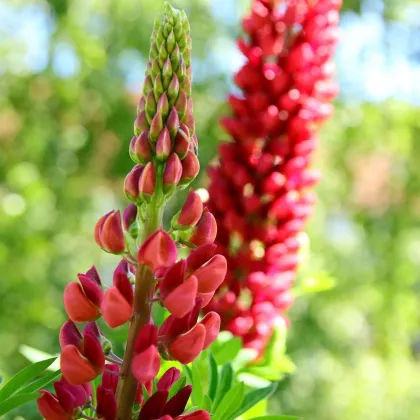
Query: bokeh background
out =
(70, 76)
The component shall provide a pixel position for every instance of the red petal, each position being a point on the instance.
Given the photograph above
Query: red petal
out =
(211, 276)
(49, 407)
(187, 347)
(212, 324)
(182, 299)
(78, 307)
(146, 365)
(115, 309)
(76, 369)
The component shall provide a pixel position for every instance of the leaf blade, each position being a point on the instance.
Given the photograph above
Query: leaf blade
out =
(254, 397)
(16, 401)
(26, 374)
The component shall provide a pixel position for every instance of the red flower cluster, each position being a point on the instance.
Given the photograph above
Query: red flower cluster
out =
(70, 400)
(261, 193)
(164, 149)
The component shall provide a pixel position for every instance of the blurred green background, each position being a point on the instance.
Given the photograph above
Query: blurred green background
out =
(70, 76)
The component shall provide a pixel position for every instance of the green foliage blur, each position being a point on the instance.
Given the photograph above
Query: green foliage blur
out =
(66, 114)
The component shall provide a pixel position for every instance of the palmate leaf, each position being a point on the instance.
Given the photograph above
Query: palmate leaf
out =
(24, 376)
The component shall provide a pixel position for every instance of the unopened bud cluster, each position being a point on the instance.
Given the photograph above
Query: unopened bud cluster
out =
(149, 272)
(165, 145)
(262, 192)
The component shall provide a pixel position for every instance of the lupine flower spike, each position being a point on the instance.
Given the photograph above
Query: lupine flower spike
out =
(149, 273)
(262, 192)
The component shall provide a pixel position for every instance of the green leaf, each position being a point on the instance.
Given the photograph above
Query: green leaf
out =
(230, 402)
(177, 386)
(188, 374)
(279, 417)
(253, 397)
(207, 403)
(214, 376)
(226, 381)
(16, 401)
(197, 393)
(25, 375)
(227, 351)
(39, 383)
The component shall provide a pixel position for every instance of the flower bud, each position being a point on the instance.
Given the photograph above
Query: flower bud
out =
(158, 251)
(190, 168)
(163, 106)
(129, 216)
(205, 231)
(181, 104)
(173, 122)
(106, 407)
(140, 124)
(168, 379)
(147, 182)
(140, 150)
(109, 234)
(191, 211)
(150, 106)
(173, 90)
(182, 143)
(156, 127)
(172, 173)
(163, 145)
(131, 183)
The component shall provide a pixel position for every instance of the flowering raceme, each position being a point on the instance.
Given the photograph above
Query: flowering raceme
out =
(261, 194)
(149, 273)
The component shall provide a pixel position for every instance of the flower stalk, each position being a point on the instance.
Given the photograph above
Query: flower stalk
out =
(164, 151)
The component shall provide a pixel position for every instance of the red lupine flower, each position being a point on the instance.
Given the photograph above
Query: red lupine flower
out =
(82, 358)
(159, 251)
(118, 301)
(109, 234)
(164, 150)
(260, 193)
(82, 301)
(184, 339)
(68, 400)
(146, 362)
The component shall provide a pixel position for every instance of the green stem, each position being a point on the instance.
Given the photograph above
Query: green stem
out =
(144, 288)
